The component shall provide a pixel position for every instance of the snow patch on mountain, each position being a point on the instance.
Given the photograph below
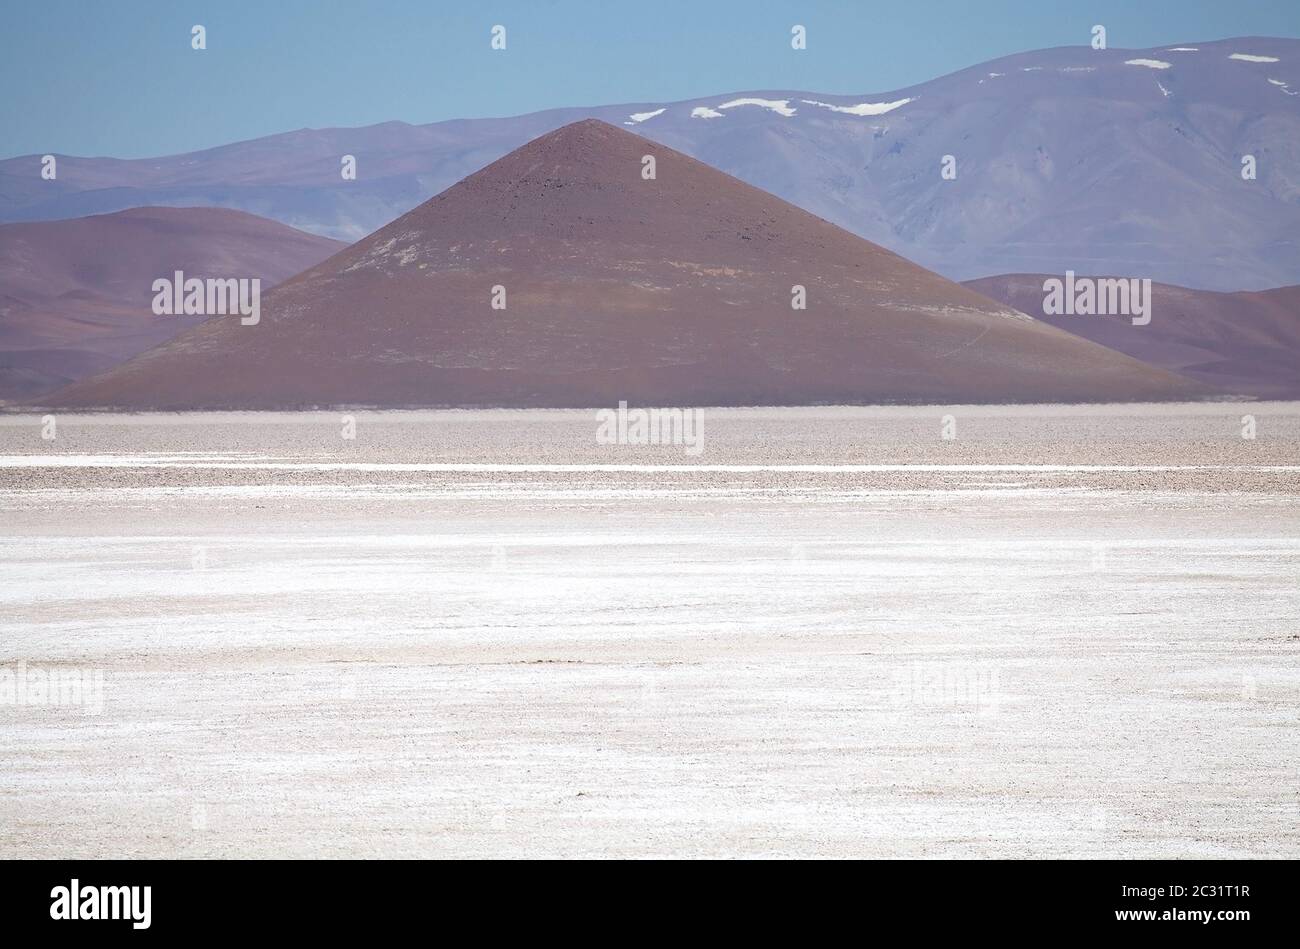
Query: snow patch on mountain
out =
(862, 108)
(1250, 58)
(779, 106)
(704, 112)
(1148, 63)
(638, 117)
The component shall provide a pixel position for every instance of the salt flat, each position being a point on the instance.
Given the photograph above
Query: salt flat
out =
(1070, 631)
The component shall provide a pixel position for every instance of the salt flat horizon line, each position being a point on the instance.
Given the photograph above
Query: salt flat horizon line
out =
(587, 539)
(110, 461)
(17, 416)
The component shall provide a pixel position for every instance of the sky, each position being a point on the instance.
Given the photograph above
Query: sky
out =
(119, 77)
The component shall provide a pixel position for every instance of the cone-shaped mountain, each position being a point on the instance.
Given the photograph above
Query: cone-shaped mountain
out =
(671, 289)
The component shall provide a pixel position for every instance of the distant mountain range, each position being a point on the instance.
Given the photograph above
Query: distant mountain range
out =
(75, 296)
(1243, 343)
(1114, 161)
(565, 274)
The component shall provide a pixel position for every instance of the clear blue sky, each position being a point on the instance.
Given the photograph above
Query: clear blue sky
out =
(118, 77)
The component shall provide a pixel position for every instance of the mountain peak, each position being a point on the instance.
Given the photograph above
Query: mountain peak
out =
(584, 179)
(586, 143)
(578, 136)
(584, 127)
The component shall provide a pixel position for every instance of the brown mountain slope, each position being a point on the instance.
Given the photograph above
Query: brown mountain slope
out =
(1246, 343)
(75, 295)
(675, 290)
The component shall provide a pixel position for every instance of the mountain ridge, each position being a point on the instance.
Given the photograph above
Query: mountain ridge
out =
(1068, 158)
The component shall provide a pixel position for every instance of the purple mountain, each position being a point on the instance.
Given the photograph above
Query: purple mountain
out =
(76, 296)
(1115, 161)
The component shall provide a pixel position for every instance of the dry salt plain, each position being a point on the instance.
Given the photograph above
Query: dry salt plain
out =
(1067, 632)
